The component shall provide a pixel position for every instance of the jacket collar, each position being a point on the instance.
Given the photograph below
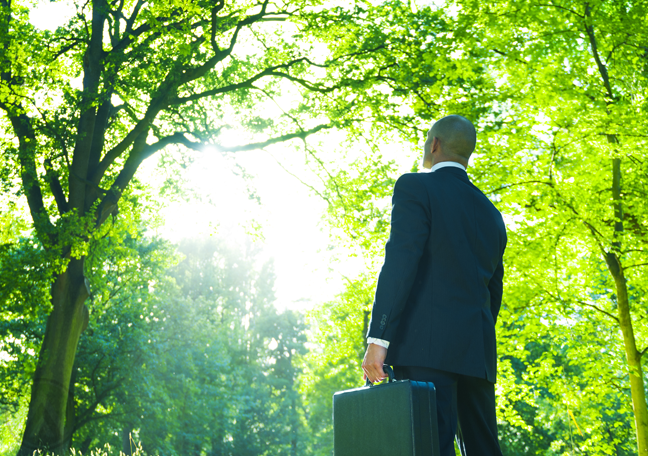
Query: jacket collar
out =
(460, 173)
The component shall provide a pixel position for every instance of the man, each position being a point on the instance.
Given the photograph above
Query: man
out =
(440, 290)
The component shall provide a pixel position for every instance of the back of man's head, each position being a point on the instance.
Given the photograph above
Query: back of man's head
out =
(456, 134)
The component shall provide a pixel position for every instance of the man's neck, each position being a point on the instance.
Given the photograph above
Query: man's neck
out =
(447, 163)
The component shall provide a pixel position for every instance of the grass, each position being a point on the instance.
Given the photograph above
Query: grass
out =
(106, 450)
(11, 430)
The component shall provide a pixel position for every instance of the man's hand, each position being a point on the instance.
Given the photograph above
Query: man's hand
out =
(372, 365)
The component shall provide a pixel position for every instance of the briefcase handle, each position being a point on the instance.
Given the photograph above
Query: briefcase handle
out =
(390, 375)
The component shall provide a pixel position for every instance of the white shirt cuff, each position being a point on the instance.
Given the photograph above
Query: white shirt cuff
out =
(382, 343)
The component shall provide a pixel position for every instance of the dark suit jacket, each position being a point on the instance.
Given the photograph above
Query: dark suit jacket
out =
(440, 288)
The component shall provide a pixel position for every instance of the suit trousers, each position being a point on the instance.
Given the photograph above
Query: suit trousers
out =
(465, 408)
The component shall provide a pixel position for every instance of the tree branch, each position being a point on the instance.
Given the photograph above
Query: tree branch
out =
(142, 151)
(306, 84)
(92, 69)
(551, 5)
(130, 34)
(515, 184)
(589, 28)
(599, 309)
(260, 145)
(220, 4)
(305, 184)
(131, 20)
(166, 90)
(167, 98)
(141, 127)
(26, 153)
(595, 233)
(55, 187)
(180, 138)
(88, 414)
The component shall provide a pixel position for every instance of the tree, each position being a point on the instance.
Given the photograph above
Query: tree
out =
(220, 366)
(566, 131)
(193, 359)
(124, 264)
(85, 105)
(177, 358)
(128, 278)
(557, 92)
(334, 362)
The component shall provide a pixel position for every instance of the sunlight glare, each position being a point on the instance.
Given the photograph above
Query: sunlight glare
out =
(48, 15)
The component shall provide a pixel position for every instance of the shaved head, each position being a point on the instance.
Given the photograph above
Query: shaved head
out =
(456, 134)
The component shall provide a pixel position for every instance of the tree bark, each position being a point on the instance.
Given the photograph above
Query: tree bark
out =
(45, 425)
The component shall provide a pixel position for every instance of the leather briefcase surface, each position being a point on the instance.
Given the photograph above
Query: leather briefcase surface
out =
(397, 418)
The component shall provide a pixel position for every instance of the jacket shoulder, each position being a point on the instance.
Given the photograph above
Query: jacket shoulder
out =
(410, 179)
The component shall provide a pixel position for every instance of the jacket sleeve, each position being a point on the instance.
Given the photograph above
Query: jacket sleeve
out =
(410, 229)
(495, 287)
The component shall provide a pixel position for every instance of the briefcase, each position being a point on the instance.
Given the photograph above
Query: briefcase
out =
(396, 418)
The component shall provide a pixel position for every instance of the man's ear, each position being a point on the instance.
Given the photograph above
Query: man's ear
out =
(436, 145)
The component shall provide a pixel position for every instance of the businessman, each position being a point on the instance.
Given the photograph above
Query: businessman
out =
(440, 290)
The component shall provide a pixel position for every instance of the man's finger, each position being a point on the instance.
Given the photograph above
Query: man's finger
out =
(372, 365)
(374, 375)
(371, 375)
(377, 370)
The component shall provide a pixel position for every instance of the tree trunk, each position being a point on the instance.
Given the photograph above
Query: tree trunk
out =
(70, 411)
(633, 356)
(127, 443)
(45, 425)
